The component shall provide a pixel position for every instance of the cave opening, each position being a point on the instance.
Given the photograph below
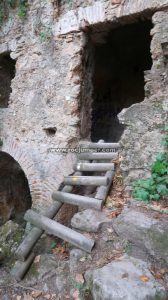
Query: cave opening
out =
(118, 76)
(7, 73)
(15, 196)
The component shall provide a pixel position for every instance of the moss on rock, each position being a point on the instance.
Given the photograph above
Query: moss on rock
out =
(10, 238)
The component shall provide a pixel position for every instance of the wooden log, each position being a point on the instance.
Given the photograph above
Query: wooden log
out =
(28, 243)
(21, 267)
(97, 156)
(92, 188)
(104, 145)
(93, 167)
(85, 144)
(81, 201)
(33, 236)
(86, 180)
(30, 240)
(102, 191)
(59, 230)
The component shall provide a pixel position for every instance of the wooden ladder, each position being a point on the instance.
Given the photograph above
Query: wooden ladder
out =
(90, 161)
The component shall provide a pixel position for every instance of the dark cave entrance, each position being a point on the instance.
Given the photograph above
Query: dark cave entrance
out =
(118, 78)
(7, 73)
(15, 197)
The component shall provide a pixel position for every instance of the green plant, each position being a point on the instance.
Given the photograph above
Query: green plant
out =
(11, 3)
(52, 246)
(5, 5)
(127, 247)
(85, 292)
(1, 16)
(155, 187)
(23, 5)
(45, 36)
(84, 289)
(69, 2)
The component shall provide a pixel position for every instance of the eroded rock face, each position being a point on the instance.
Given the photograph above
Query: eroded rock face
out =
(15, 196)
(121, 280)
(145, 232)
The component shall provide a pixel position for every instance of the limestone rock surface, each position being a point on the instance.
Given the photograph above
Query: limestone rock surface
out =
(144, 231)
(125, 280)
(89, 220)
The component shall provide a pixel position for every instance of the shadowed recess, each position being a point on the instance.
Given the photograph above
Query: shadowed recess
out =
(118, 78)
(7, 73)
(15, 197)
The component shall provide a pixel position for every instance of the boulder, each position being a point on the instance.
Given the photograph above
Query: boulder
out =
(128, 279)
(89, 220)
(144, 231)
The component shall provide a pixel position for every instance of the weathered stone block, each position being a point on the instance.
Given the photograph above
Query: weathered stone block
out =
(123, 280)
(89, 220)
(145, 232)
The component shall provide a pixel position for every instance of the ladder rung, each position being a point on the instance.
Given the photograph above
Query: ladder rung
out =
(78, 200)
(86, 180)
(97, 156)
(94, 167)
(104, 145)
(59, 230)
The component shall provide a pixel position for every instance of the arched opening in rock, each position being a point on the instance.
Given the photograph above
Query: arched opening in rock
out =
(7, 73)
(15, 197)
(118, 79)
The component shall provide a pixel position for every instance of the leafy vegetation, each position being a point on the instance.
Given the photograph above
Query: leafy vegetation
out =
(82, 290)
(23, 5)
(155, 187)
(68, 2)
(5, 5)
(127, 247)
(45, 35)
(1, 16)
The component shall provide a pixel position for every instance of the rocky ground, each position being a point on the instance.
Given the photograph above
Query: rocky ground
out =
(129, 261)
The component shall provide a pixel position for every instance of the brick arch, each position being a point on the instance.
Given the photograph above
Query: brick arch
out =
(63, 168)
(24, 159)
(41, 190)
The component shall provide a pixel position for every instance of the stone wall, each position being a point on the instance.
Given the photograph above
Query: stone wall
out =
(43, 97)
(145, 121)
(47, 103)
(86, 98)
